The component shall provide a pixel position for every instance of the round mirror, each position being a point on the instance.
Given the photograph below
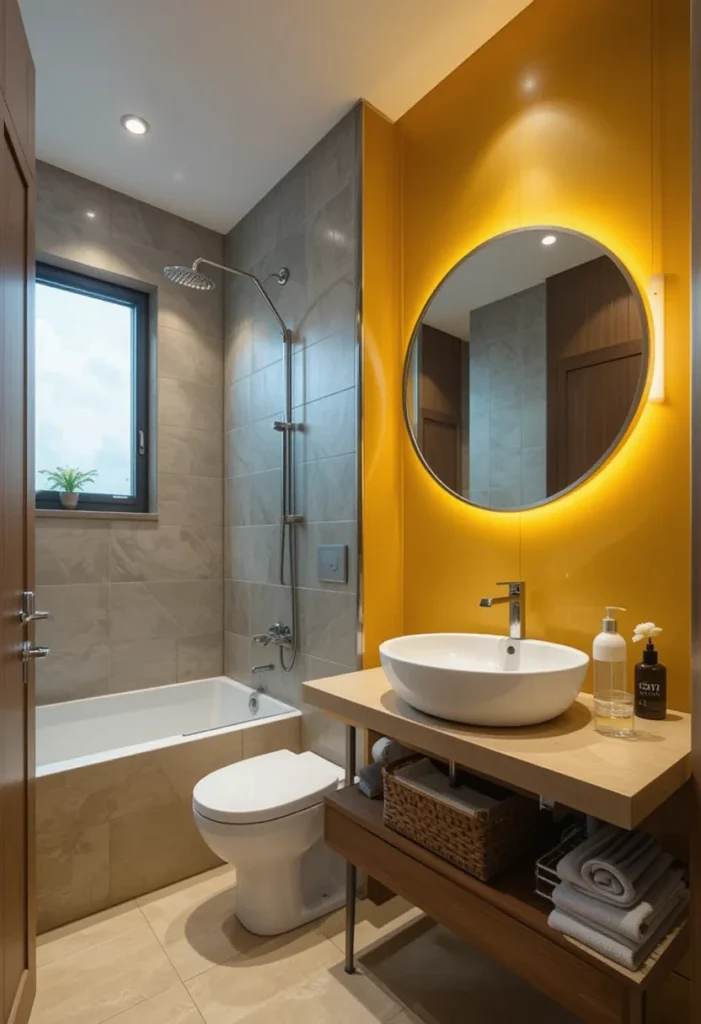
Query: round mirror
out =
(526, 368)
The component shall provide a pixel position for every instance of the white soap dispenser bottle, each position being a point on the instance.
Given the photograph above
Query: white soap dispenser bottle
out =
(613, 696)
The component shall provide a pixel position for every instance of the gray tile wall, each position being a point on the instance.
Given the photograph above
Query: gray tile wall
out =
(308, 222)
(508, 410)
(140, 603)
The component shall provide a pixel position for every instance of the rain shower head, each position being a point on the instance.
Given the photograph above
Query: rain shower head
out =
(190, 277)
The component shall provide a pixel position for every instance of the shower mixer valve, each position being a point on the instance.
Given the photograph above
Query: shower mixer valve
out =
(276, 634)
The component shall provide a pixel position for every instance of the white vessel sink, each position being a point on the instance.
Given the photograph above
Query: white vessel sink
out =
(480, 679)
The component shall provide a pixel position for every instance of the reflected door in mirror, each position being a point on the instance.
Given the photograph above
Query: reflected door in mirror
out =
(440, 403)
(595, 352)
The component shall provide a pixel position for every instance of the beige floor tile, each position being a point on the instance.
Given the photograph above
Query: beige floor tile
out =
(174, 1006)
(84, 934)
(329, 997)
(372, 923)
(166, 906)
(233, 991)
(98, 982)
(436, 976)
(196, 925)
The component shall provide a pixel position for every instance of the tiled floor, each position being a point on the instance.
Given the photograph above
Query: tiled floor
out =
(179, 956)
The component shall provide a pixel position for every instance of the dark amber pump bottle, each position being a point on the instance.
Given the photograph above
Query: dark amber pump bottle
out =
(650, 686)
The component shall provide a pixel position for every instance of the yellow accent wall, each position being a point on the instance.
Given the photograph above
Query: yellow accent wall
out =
(601, 145)
(381, 374)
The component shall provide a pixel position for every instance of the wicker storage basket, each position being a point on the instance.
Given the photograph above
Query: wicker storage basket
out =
(481, 842)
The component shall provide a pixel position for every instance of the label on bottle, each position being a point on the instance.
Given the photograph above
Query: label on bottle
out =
(649, 689)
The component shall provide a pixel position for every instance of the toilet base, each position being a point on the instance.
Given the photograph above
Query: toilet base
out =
(260, 924)
(293, 895)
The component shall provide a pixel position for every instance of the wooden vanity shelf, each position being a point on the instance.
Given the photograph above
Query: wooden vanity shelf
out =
(505, 919)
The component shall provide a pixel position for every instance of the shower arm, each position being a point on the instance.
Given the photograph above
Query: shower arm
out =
(259, 286)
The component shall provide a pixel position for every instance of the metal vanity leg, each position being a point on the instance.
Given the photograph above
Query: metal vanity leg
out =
(351, 872)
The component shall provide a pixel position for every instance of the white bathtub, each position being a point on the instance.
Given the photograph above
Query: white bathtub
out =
(114, 786)
(81, 732)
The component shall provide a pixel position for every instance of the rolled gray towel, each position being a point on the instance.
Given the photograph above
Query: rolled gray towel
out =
(615, 866)
(386, 750)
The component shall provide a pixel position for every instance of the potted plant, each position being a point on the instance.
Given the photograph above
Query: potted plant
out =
(69, 482)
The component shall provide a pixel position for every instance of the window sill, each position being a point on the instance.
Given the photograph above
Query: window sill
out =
(79, 513)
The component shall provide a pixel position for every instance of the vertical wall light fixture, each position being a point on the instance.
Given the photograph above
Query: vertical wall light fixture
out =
(657, 389)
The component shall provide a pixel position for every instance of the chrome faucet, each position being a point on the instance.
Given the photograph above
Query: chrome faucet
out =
(276, 634)
(517, 608)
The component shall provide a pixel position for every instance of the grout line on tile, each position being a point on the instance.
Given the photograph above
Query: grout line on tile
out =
(126, 907)
(146, 999)
(123, 937)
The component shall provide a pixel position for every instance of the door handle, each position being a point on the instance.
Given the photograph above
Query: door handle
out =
(29, 651)
(29, 612)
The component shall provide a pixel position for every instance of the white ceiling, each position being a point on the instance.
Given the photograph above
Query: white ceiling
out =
(504, 267)
(236, 91)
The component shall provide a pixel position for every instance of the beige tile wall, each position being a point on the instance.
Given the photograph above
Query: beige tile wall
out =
(111, 831)
(140, 604)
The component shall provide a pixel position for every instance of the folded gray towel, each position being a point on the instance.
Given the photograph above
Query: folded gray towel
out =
(370, 781)
(632, 925)
(614, 949)
(615, 866)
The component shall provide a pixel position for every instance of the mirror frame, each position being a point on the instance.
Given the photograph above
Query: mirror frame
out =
(635, 405)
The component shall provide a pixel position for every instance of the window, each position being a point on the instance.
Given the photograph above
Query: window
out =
(92, 388)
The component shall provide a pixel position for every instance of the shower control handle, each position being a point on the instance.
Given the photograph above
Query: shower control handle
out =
(276, 634)
(29, 611)
(29, 651)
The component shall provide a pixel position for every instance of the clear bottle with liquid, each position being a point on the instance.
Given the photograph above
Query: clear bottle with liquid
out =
(613, 694)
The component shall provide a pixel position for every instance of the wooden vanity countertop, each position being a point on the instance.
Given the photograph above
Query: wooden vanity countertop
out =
(566, 760)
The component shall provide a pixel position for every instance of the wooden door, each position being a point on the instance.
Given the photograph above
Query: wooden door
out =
(595, 362)
(595, 392)
(17, 927)
(440, 404)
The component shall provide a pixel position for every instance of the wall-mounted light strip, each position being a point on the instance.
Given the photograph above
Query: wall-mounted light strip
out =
(657, 390)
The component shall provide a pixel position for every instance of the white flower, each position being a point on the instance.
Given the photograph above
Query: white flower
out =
(645, 631)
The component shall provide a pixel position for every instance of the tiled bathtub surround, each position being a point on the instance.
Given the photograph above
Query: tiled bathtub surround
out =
(308, 222)
(111, 831)
(140, 603)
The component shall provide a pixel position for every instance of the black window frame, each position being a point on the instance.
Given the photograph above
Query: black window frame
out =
(83, 284)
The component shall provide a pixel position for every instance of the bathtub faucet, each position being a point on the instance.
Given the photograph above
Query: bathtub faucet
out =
(277, 634)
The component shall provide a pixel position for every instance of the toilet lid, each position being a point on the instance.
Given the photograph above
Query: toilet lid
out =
(265, 787)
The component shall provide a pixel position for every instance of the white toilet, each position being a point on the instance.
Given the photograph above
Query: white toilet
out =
(265, 816)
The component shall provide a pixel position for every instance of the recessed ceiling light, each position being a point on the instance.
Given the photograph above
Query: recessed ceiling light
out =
(548, 240)
(90, 214)
(529, 83)
(135, 124)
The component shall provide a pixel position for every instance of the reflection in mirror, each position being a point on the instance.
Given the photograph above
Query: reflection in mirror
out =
(526, 368)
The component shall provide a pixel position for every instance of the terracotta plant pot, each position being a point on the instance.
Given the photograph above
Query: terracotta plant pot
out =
(69, 499)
